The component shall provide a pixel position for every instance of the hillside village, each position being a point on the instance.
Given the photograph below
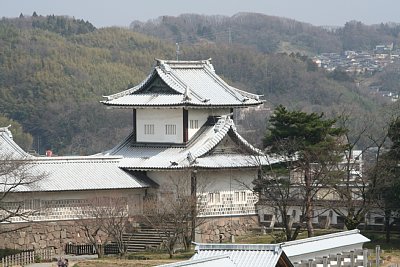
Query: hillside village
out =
(362, 63)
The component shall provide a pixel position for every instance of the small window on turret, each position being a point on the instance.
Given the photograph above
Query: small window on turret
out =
(194, 124)
(170, 129)
(149, 129)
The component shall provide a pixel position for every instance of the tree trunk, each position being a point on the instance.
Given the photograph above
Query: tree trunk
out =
(100, 250)
(296, 232)
(193, 193)
(388, 227)
(309, 205)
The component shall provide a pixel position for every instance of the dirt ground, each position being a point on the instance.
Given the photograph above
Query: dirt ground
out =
(390, 260)
(125, 263)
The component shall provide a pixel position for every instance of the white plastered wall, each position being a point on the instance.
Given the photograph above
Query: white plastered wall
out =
(201, 115)
(222, 192)
(64, 205)
(159, 118)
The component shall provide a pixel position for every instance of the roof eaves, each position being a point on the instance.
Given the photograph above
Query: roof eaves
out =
(130, 90)
(245, 142)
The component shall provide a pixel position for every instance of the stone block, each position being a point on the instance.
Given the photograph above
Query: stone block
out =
(221, 223)
(63, 234)
(50, 228)
(57, 234)
(36, 238)
(42, 244)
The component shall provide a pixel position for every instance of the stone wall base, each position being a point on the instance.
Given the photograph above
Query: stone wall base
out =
(224, 229)
(41, 235)
(56, 234)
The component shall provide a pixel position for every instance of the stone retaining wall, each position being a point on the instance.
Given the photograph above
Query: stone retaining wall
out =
(57, 234)
(42, 235)
(215, 230)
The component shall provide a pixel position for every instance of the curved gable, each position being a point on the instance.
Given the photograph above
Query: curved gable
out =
(156, 86)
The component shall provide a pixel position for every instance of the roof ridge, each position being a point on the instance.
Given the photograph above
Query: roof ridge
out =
(183, 62)
(218, 136)
(321, 237)
(265, 247)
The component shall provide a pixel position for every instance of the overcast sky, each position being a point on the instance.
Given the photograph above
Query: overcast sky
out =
(104, 13)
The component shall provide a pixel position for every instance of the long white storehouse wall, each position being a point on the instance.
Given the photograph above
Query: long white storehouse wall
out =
(159, 118)
(51, 206)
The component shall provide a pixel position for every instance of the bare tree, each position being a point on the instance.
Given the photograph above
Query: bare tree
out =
(117, 221)
(174, 213)
(18, 176)
(104, 219)
(276, 190)
(355, 182)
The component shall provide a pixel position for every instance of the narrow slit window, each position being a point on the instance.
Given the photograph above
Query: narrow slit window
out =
(194, 124)
(149, 129)
(170, 129)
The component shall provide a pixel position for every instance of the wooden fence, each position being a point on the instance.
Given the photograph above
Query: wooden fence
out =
(28, 257)
(87, 249)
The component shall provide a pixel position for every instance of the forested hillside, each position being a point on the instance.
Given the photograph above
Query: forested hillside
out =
(55, 70)
(269, 34)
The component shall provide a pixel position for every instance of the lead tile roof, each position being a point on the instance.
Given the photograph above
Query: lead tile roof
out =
(216, 261)
(69, 173)
(242, 254)
(195, 83)
(323, 242)
(198, 153)
(8, 148)
(83, 173)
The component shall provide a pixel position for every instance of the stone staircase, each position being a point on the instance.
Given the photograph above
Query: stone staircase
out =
(143, 239)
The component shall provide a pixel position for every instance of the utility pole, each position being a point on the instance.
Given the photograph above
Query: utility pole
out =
(177, 51)
(230, 36)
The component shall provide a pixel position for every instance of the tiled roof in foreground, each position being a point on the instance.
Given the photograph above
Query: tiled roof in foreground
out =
(187, 83)
(243, 254)
(348, 239)
(215, 261)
